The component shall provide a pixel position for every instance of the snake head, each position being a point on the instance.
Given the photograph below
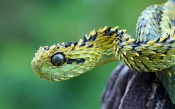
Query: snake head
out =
(64, 61)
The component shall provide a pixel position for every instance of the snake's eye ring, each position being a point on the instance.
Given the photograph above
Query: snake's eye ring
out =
(58, 59)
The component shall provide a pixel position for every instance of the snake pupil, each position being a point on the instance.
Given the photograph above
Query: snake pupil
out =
(58, 59)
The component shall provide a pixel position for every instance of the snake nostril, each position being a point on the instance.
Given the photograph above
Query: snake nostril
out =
(46, 48)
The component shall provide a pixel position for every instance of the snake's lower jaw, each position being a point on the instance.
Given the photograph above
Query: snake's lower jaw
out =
(53, 77)
(53, 74)
(50, 77)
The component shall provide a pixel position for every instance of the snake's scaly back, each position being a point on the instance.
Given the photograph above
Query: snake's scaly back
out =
(153, 51)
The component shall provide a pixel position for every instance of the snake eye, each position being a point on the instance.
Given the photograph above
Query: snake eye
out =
(58, 59)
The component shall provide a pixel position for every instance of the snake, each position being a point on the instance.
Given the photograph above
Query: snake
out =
(153, 50)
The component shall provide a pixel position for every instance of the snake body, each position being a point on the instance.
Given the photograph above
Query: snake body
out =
(152, 51)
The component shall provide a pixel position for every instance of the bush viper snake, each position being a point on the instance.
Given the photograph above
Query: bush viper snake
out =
(152, 51)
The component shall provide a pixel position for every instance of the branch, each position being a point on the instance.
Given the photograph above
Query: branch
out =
(127, 89)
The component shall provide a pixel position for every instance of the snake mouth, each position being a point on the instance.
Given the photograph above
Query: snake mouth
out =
(51, 76)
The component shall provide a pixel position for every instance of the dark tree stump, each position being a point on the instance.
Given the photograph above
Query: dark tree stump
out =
(127, 89)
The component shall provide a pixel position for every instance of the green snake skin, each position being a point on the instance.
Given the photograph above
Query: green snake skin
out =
(152, 51)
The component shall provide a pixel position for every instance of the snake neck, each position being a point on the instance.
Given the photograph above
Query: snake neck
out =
(148, 56)
(111, 44)
(101, 45)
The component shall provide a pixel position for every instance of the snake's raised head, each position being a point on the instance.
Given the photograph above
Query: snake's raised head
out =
(63, 61)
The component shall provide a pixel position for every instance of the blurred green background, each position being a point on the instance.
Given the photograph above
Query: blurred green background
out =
(26, 25)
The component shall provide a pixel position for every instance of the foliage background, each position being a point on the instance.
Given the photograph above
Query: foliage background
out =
(27, 24)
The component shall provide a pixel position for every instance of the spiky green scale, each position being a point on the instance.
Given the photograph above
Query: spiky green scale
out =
(140, 48)
(162, 49)
(133, 53)
(127, 47)
(171, 51)
(157, 56)
(148, 52)
(157, 61)
(154, 47)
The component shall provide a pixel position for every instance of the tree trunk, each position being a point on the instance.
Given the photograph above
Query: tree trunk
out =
(127, 89)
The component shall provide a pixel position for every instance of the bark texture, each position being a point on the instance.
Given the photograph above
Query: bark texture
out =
(127, 89)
